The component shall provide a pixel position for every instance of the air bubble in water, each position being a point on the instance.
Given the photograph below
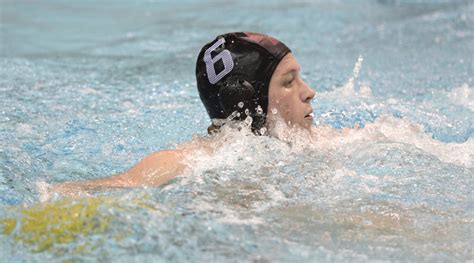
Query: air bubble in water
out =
(247, 112)
(240, 104)
(259, 110)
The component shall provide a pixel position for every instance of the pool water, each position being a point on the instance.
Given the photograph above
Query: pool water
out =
(89, 88)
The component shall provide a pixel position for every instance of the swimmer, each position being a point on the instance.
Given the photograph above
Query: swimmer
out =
(239, 76)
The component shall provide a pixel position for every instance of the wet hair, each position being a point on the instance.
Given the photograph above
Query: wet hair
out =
(233, 75)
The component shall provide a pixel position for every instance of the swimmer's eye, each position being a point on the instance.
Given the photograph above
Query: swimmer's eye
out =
(289, 82)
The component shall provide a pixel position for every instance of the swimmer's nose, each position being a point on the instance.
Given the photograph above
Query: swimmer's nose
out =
(308, 93)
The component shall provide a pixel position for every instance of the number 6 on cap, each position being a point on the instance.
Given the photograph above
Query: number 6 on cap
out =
(211, 61)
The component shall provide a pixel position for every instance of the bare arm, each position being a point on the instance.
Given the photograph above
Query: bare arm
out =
(154, 170)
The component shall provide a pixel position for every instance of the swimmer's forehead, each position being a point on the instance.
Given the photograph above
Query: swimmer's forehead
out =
(287, 66)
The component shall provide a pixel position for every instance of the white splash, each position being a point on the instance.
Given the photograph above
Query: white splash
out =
(391, 129)
(349, 90)
(43, 189)
(463, 96)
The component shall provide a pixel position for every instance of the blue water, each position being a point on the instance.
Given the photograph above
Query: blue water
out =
(89, 88)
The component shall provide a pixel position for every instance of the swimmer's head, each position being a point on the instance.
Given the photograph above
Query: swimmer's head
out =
(234, 73)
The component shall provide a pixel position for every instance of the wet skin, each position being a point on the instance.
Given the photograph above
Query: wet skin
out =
(289, 96)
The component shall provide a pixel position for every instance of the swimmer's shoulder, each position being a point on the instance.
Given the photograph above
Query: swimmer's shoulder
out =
(197, 144)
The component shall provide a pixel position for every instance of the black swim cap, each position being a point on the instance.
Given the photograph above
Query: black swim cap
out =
(233, 74)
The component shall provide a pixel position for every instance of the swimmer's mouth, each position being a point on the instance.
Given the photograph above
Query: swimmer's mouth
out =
(309, 115)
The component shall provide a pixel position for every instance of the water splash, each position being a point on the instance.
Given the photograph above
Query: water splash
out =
(349, 89)
(463, 96)
(349, 86)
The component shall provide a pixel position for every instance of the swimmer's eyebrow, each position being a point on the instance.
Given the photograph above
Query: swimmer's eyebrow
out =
(291, 70)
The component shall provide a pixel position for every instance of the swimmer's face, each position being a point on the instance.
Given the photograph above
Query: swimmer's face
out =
(289, 96)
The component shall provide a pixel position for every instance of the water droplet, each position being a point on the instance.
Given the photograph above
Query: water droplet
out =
(248, 120)
(259, 110)
(247, 112)
(274, 111)
(240, 104)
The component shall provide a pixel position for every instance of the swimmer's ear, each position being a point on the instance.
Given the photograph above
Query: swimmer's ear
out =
(236, 94)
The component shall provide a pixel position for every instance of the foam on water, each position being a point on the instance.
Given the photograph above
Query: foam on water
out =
(339, 187)
(463, 96)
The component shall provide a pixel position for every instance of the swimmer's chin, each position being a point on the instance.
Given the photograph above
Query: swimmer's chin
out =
(305, 124)
(308, 124)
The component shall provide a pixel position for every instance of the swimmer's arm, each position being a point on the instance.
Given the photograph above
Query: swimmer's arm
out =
(154, 170)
